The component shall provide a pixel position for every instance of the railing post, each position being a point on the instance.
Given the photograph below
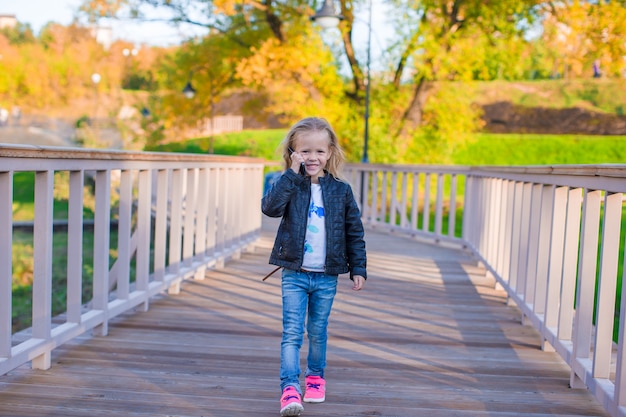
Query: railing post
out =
(607, 285)
(414, 200)
(102, 235)
(201, 222)
(75, 247)
(190, 216)
(555, 267)
(393, 210)
(479, 217)
(426, 213)
(42, 284)
(516, 224)
(144, 227)
(234, 214)
(123, 234)
(496, 220)
(587, 266)
(383, 198)
(403, 202)
(362, 193)
(468, 209)
(491, 220)
(570, 260)
(176, 227)
(500, 221)
(372, 213)
(507, 246)
(231, 213)
(211, 233)
(522, 264)
(533, 253)
(6, 271)
(543, 248)
(439, 206)
(220, 234)
(619, 398)
(160, 226)
(452, 207)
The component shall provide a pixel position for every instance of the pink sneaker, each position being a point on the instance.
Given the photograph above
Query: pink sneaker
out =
(315, 389)
(290, 403)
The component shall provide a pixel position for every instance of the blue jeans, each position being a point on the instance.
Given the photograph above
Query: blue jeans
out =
(303, 292)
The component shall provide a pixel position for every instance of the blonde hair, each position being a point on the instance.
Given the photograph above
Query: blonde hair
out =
(335, 162)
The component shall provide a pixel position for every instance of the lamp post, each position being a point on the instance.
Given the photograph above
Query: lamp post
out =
(327, 18)
(365, 158)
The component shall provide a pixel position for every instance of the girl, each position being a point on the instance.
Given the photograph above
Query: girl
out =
(320, 236)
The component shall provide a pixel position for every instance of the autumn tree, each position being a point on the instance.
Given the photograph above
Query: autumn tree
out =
(577, 33)
(281, 55)
(55, 68)
(209, 66)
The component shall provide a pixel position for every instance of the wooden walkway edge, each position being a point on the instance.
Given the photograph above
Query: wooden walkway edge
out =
(428, 336)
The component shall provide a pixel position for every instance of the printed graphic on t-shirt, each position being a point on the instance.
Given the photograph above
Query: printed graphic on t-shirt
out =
(312, 227)
(315, 240)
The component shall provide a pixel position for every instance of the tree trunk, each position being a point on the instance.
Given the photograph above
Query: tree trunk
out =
(357, 74)
(412, 117)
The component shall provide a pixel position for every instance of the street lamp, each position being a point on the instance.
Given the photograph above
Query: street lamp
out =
(189, 91)
(326, 16)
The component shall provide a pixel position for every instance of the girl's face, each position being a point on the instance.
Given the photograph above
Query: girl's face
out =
(315, 149)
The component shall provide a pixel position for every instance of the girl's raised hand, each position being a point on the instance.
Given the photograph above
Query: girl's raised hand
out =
(296, 161)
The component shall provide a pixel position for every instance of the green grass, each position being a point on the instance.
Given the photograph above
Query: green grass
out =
(22, 294)
(24, 198)
(255, 143)
(485, 149)
(518, 149)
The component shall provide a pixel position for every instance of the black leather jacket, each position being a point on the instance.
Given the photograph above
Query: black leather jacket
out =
(289, 198)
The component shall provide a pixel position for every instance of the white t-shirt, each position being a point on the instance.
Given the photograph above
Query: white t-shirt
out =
(315, 239)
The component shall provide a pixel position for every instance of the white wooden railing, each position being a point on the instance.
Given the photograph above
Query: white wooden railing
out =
(550, 235)
(177, 215)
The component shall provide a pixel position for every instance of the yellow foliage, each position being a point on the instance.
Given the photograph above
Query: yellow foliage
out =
(298, 75)
(227, 7)
(23, 265)
(579, 33)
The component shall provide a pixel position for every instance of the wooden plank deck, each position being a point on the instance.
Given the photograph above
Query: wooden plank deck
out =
(429, 336)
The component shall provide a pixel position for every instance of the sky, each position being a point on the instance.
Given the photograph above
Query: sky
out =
(39, 12)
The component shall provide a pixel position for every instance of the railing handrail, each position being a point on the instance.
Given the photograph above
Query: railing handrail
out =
(537, 230)
(60, 152)
(178, 215)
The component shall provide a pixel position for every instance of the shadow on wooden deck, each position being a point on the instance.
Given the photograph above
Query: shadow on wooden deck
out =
(429, 336)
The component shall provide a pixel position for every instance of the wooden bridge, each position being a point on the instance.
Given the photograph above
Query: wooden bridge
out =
(428, 336)
(446, 326)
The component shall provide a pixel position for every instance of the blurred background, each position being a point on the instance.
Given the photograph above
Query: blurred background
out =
(446, 82)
